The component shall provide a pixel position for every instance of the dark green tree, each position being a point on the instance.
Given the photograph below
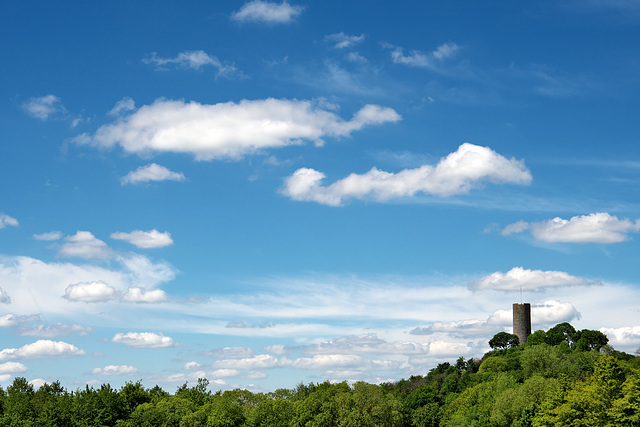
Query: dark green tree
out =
(503, 340)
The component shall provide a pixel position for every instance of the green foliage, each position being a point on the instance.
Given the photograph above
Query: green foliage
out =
(579, 381)
(503, 340)
(562, 332)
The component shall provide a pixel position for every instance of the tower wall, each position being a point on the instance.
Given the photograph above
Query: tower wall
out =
(522, 321)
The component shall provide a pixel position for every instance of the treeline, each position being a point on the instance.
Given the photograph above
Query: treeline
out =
(561, 377)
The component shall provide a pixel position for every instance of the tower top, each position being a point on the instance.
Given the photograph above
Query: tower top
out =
(522, 321)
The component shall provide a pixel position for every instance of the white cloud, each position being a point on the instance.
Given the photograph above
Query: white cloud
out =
(8, 321)
(365, 344)
(43, 107)
(195, 59)
(49, 236)
(41, 349)
(190, 366)
(356, 57)
(229, 130)
(145, 239)
(151, 172)
(90, 292)
(144, 273)
(529, 280)
(231, 352)
(421, 59)
(5, 378)
(143, 340)
(327, 361)
(261, 361)
(37, 285)
(225, 373)
(139, 295)
(262, 11)
(343, 40)
(550, 313)
(83, 244)
(4, 297)
(38, 382)
(52, 331)
(627, 336)
(12, 368)
(6, 220)
(598, 227)
(115, 370)
(277, 349)
(447, 348)
(125, 104)
(457, 173)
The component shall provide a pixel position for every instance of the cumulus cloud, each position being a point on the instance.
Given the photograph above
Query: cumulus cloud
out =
(83, 244)
(550, 313)
(421, 59)
(229, 130)
(529, 280)
(598, 227)
(224, 373)
(151, 172)
(90, 292)
(125, 104)
(6, 220)
(342, 40)
(139, 295)
(48, 236)
(262, 11)
(143, 340)
(115, 370)
(195, 59)
(43, 107)
(624, 336)
(12, 368)
(457, 173)
(145, 239)
(41, 349)
(190, 366)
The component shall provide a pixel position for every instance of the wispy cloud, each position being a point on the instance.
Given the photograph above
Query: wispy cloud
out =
(43, 107)
(342, 40)
(529, 280)
(195, 59)
(145, 239)
(229, 130)
(271, 13)
(457, 173)
(6, 220)
(152, 172)
(598, 227)
(416, 58)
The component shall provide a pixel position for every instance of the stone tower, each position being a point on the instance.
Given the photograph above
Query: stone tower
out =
(522, 321)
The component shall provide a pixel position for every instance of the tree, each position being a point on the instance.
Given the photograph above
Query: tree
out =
(503, 340)
(561, 332)
(588, 339)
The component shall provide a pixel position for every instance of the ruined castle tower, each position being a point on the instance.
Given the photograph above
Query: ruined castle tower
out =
(522, 321)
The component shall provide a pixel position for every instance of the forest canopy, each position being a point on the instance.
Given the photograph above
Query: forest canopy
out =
(561, 377)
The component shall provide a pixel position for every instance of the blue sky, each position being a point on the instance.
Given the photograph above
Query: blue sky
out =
(266, 193)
